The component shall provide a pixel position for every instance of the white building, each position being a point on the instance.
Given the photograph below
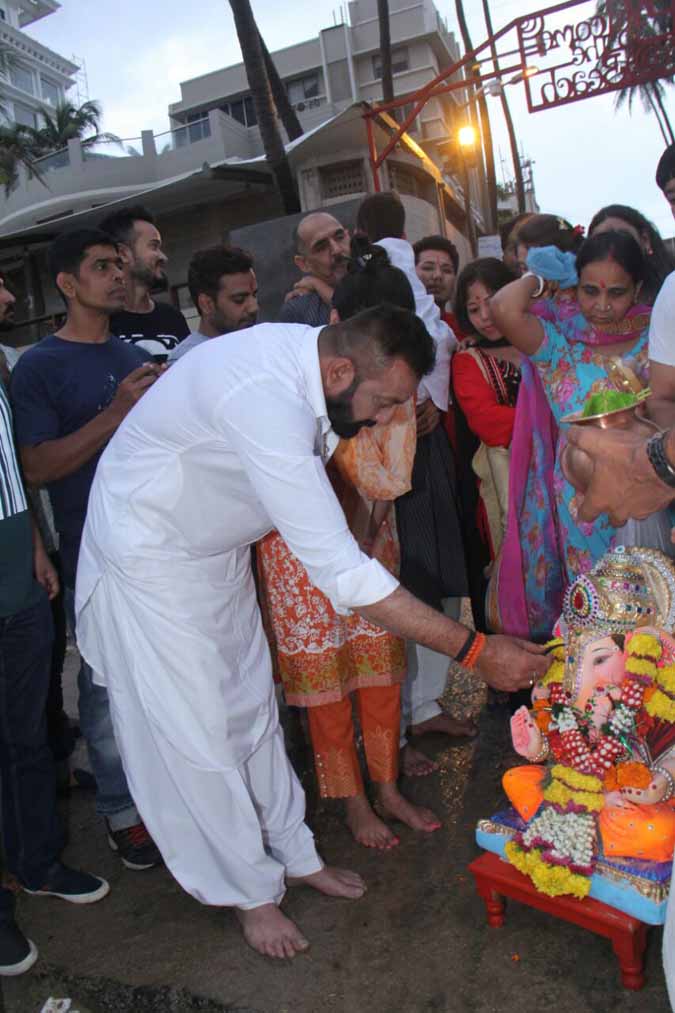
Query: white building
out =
(207, 176)
(31, 75)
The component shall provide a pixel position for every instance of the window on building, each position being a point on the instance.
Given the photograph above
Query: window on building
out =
(399, 62)
(303, 88)
(3, 14)
(50, 91)
(22, 78)
(407, 181)
(402, 113)
(341, 179)
(24, 115)
(242, 110)
(198, 126)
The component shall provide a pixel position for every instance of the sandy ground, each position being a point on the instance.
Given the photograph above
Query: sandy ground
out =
(416, 943)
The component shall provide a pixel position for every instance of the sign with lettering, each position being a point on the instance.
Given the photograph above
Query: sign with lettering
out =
(631, 44)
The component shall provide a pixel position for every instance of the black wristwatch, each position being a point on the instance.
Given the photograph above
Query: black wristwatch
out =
(656, 452)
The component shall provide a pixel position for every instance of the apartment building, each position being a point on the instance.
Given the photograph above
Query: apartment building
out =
(31, 75)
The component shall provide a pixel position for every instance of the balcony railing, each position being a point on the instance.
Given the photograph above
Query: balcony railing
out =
(181, 137)
(124, 148)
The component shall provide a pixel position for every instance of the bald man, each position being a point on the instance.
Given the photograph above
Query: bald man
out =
(322, 254)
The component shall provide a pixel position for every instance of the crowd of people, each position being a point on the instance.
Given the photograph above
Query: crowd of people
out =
(298, 509)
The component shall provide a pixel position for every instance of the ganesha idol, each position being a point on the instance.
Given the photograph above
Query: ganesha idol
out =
(598, 793)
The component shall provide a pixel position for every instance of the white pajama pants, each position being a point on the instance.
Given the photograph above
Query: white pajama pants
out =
(229, 837)
(426, 679)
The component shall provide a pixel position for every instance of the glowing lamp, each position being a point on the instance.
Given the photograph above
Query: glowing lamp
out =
(467, 137)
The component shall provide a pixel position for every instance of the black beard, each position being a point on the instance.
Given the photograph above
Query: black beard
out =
(152, 280)
(7, 323)
(342, 420)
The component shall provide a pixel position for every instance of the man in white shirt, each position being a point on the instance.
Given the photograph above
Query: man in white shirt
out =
(224, 290)
(661, 405)
(232, 443)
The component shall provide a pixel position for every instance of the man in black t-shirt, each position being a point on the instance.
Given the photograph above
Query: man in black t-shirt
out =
(156, 327)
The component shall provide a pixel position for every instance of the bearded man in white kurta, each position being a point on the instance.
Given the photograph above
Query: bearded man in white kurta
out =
(230, 443)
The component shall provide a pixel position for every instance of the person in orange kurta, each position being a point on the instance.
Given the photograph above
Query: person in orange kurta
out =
(329, 662)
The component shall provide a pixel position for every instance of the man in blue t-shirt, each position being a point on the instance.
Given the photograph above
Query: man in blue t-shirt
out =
(69, 394)
(31, 830)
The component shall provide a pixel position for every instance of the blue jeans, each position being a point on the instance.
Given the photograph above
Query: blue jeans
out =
(32, 831)
(112, 795)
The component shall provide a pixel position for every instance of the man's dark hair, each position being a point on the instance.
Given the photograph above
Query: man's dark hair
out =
(437, 243)
(208, 266)
(507, 228)
(69, 250)
(373, 338)
(381, 216)
(665, 170)
(120, 224)
(489, 271)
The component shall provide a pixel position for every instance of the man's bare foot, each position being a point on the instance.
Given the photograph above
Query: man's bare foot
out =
(416, 764)
(394, 805)
(333, 882)
(367, 828)
(445, 725)
(270, 932)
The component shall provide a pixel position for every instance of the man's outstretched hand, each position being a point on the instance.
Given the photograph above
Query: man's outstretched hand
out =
(507, 664)
(622, 482)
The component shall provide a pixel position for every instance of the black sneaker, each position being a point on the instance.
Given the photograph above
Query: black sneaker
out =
(135, 847)
(17, 954)
(72, 885)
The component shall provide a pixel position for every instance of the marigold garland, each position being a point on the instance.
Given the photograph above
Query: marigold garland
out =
(553, 880)
(556, 669)
(558, 793)
(574, 779)
(633, 774)
(661, 706)
(665, 677)
(645, 644)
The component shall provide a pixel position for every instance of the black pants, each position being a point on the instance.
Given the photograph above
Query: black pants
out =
(59, 731)
(32, 832)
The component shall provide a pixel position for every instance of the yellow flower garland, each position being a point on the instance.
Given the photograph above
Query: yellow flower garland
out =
(665, 678)
(646, 645)
(573, 779)
(559, 793)
(641, 666)
(661, 706)
(553, 880)
(556, 669)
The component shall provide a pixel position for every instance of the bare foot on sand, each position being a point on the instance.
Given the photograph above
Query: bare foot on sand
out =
(271, 933)
(416, 764)
(396, 807)
(367, 828)
(333, 882)
(445, 725)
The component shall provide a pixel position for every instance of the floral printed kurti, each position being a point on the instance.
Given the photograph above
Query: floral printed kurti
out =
(321, 656)
(571, 371)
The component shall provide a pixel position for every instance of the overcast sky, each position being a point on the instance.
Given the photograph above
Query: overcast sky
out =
(138, 51)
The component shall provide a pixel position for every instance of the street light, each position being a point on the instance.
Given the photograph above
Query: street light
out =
(467, 137)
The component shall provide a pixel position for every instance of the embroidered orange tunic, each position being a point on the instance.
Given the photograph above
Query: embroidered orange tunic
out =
(321, 656)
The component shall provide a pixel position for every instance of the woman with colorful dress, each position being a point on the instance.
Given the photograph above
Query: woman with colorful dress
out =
(577, 340)
(326, 661)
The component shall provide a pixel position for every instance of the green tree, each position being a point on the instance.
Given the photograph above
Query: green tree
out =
(17, 147)
(67, 122)
(655, 22)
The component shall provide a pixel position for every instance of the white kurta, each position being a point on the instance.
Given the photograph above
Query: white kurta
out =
(225, 446)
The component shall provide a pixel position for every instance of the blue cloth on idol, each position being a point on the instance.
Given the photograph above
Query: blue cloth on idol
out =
(553, 265)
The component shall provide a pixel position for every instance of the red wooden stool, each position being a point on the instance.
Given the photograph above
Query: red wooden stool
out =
(496, 879)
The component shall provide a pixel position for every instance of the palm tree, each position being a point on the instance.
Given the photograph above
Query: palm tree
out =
(287, 113)
(657, 23)
(488, 148)
(67, 122)
(385, 51)
(508, 119)
(263, 103)
(17, 147)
